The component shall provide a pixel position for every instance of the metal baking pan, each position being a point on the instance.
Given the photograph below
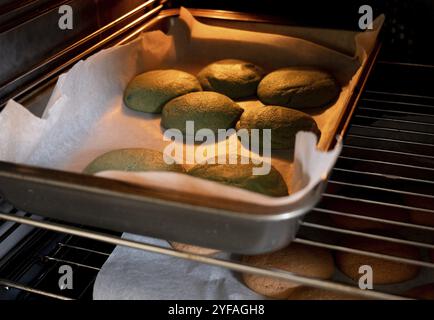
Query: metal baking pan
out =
(233, 226)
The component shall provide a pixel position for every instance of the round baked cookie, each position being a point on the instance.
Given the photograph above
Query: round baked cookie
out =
(193, 249)
(241, 175)
(298, 87)
(283, 122)
(233, 78)
(310, 293)
(298, 259)
(149, 91)
(133, 159)
(424, 292)
(208, 110)
(384, 271)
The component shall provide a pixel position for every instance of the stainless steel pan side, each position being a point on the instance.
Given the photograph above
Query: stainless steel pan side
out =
(124, 207)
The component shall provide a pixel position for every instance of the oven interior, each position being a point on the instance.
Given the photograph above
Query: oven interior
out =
(386, 166)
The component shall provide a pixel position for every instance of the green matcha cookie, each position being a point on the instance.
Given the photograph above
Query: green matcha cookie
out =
(209, 110)
(241, 176)
(283, 122)
(298, 87)
(134, 159)
(233, 78)
(149, 91)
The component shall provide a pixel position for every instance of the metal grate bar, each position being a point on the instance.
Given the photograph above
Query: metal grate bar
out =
(407, 64)
(363, 253)
(331, 181)
(398, 102)
(86, 288)
(390, 140)
(367, 235)
(83, 249)
(386, 163)
(390, 151)
(396, 94)
(373, 219)
(394, 120)
(395, 177)
(396, 111)
(388, 204)
(71, 262)
(10, 284)
(391, 129)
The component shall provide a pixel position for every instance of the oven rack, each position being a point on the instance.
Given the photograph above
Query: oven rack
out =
(411, 172)
(232, 265)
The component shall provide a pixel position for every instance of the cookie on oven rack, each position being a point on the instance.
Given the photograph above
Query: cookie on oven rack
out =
(299, 259)
(384, 271)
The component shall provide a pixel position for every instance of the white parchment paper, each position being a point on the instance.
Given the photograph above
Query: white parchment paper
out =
(138, 275)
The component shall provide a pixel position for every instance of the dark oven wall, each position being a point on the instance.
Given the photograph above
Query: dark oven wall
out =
(31, 40)
(408, 28)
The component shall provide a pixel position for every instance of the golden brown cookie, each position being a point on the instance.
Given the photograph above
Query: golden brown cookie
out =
(309, 293)
(384, 271)
(193, 249)
(425, 292)
(299, 259)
